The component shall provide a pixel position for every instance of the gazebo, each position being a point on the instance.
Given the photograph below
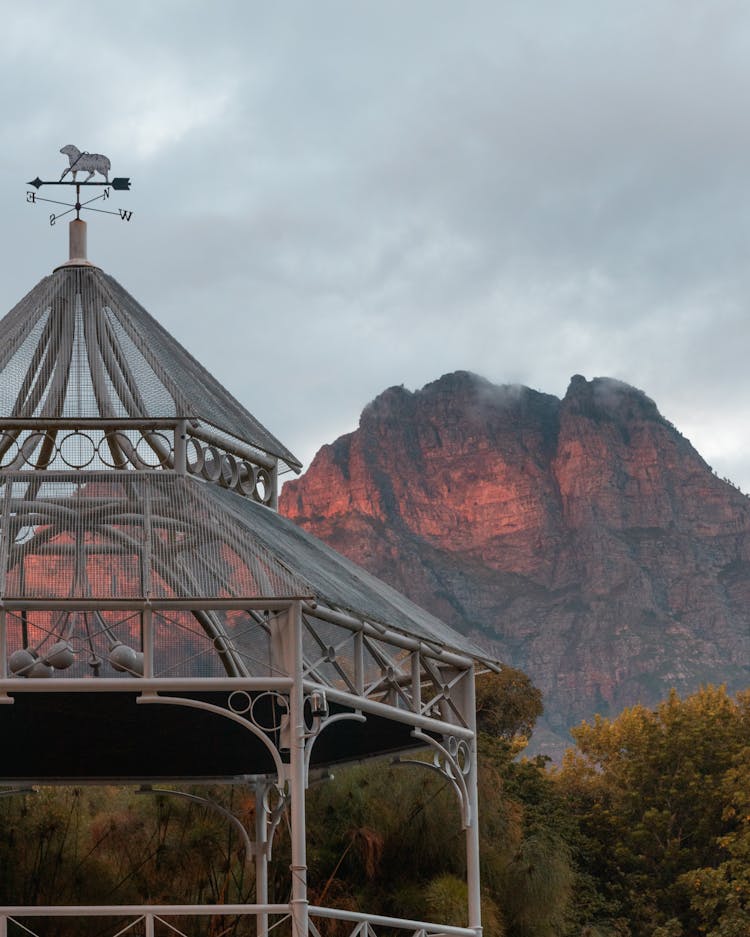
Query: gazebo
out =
(160, 622)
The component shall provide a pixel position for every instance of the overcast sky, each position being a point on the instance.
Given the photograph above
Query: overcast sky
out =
(330, 198)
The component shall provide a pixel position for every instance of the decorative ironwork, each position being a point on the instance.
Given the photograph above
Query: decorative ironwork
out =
(452, 759)
(270, 740)
(274, 804)
(82, 162)
(146, 916)
(85, 162)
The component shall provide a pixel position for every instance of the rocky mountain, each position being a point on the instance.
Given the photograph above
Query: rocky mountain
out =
(583, 540)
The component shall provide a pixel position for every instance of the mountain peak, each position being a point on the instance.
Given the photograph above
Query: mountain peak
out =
(608, 398)
(583, 540)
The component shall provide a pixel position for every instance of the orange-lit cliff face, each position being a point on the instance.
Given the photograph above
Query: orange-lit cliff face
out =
(584, 539)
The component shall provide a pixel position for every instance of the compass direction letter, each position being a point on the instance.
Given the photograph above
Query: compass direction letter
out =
(125, 215)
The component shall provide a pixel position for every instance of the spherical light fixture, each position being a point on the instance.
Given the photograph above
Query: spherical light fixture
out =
(123, 658)
(40, 669)
(60, 656)
(21, 661)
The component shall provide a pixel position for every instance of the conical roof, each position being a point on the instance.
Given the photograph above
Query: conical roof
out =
(80, 346)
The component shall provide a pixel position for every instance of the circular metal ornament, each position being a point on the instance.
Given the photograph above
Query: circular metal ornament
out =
(463, 757)
(34, 444)
(240, 702)
(263, 490)
(148, 454)
(274, 798)
(11, 454)
(115, 439)
(230, 471)
(211, 470)
(195, 456)
(276, 700)
(246, 478)
(77, 450)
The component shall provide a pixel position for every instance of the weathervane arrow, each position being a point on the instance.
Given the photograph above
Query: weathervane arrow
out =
(119, 182)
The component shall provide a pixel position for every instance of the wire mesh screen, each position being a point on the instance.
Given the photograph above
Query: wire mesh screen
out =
(334, 579)
(210, 644)
(109, 643)
(79, 346)
(130, 535)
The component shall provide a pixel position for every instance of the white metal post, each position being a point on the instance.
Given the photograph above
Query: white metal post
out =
(149, 921)
(274, 503)
(299, 905)
(3, 662)
(180, 447)
(261, 858)
(473, 881)
(148, 644)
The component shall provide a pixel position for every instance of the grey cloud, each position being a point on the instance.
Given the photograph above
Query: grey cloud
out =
(333, 198)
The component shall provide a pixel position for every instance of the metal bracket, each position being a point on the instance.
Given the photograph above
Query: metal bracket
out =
(320, 726)
(229, 713)
(451, 761)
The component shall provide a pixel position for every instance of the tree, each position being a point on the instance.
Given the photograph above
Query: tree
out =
(720, 895)
(508, 704)
(650, 790)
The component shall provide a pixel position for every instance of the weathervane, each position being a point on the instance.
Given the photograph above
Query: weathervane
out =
(90, 163)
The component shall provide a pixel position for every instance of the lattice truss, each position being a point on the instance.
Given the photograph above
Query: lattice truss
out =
(365, 665)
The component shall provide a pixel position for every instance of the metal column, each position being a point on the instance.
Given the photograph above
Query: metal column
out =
(261, 858)
(472, 832)
(298, 904)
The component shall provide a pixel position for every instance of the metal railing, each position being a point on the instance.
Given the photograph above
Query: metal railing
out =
(145, 918)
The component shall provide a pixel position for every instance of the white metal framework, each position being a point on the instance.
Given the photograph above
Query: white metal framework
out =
(143, 565)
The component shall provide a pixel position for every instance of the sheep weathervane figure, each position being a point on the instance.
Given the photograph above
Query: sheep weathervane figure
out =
(90, 163)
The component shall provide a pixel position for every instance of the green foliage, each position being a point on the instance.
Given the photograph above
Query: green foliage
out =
(94, 846)
(375, 828)
(720, 895)
(446, 897)
(508, 704)
(658, 799)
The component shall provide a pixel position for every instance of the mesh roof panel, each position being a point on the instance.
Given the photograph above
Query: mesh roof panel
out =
(130, 535)
(159, 535)
(335, 580)
(78, 345)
